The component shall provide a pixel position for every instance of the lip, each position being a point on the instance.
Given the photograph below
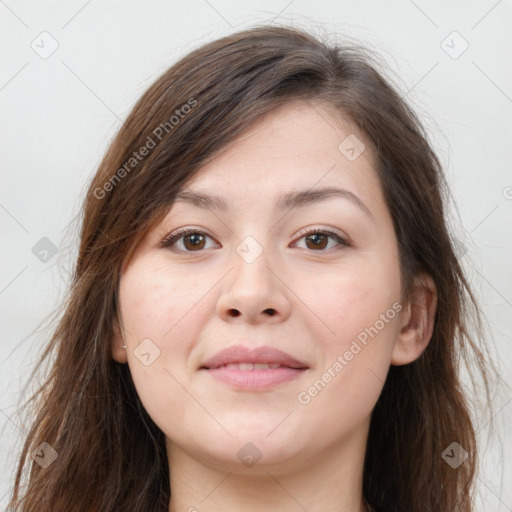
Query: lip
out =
(256, 379)
(243, 354)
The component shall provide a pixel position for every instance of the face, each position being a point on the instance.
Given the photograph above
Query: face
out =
(314, 275)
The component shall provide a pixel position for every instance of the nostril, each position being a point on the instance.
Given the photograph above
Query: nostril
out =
(234, 312)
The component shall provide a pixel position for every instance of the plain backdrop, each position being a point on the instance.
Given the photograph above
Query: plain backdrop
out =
(72, 70)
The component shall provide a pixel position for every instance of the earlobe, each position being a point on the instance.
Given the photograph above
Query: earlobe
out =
(118, 345)
(418, 319)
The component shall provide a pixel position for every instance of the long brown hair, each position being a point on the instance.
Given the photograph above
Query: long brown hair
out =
(111, 455)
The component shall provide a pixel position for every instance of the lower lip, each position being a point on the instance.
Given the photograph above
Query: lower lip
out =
(255, 380)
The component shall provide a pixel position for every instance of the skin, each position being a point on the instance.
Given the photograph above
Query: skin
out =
(193, 304)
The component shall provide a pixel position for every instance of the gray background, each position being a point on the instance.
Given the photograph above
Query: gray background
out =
(60, 110)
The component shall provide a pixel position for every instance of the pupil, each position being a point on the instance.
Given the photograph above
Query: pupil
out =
(194, 239)
(317, 239)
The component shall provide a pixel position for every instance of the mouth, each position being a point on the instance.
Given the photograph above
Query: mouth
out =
(250, 366)
(261, 368)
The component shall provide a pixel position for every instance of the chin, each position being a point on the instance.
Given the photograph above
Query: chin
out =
(252, 450)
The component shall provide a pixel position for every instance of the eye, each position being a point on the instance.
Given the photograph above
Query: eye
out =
(318, 239)
(192, 240)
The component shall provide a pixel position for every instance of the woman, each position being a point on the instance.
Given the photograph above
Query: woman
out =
(267, 312)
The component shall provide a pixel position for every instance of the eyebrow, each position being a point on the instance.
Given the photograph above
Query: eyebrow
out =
(288, 201)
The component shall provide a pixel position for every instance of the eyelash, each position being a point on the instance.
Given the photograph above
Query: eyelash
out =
(170, 240)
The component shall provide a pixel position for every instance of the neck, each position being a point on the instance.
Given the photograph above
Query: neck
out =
(330, 483)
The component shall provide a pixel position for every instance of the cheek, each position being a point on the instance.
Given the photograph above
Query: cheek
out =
(154, 302)
(344, 302)
(359, 311)
(162, 318)
(345, 389)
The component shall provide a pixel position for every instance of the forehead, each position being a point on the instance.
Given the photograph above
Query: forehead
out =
(299, 147)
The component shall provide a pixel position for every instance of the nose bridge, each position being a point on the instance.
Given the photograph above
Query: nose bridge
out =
(252, 275)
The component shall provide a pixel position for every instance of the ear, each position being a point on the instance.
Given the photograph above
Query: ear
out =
(119, 353)
(417, 323)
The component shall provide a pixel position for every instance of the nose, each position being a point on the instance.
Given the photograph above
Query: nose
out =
(254, 292)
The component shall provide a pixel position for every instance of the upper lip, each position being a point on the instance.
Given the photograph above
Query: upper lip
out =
(243, 354)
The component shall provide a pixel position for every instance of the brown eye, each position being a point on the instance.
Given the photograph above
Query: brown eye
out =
(318, 240)
(186, 240)
(194, 241)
